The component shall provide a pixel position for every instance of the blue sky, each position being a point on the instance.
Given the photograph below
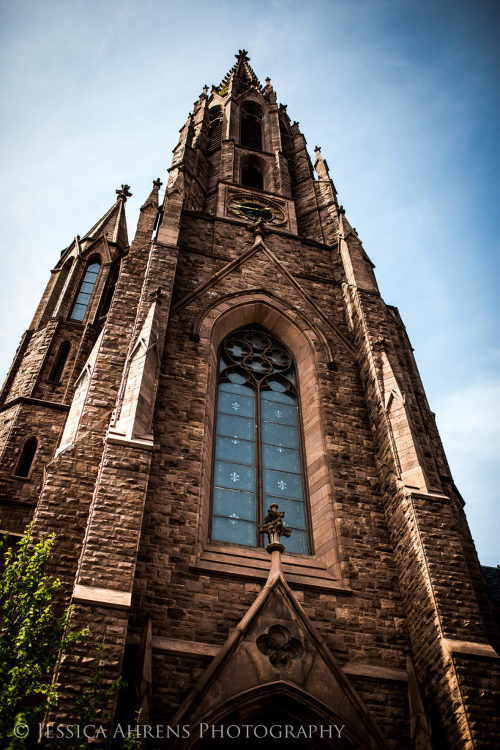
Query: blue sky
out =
(402, 96)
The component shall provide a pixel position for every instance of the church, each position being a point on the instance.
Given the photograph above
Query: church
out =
(224, 425)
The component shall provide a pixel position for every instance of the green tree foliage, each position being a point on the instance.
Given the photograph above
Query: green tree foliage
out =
(31, 634)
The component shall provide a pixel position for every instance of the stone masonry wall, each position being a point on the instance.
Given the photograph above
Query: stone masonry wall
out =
(364, 627)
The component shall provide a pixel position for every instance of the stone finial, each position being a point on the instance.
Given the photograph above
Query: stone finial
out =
(268, 81)
(157, 183)
(258, 228)
(317, 148)
(205, 90)
(157, 294)
(123, 193)
(242, 55)
(274, 528)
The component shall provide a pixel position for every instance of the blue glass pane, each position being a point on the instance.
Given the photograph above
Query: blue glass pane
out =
(237, 351)
(277, 457)
(276, 384)
(282, 484)
(279, 358)
(297, 542)
(277, 434)
(236, 377)
(231, 530)
(294, 510)
(234, 403)
(236, 449)
(239, 427)
(275, 412)
(87, 287)
(258, 341)
(78, 312)
(83, 298)
(233, 504)
(235, 476)
(245, 390)
(284, 398)
(93, 269)
(257, 364)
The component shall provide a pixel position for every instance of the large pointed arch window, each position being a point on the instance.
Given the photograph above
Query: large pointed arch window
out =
(258, 453)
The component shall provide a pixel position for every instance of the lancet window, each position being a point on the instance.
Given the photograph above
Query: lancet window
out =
(85, 291)
(258, 453)
(23, 467)
(62, 356)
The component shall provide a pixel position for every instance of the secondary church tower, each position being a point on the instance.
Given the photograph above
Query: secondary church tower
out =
(238, 356)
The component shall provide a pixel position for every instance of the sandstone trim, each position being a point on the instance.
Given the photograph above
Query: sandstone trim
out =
(106, 597)
(470, 648)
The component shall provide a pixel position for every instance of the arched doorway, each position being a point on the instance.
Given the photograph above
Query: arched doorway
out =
(274, 713)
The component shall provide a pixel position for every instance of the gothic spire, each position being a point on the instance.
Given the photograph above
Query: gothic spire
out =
(152, 199)
(241, 73)
(113, 224)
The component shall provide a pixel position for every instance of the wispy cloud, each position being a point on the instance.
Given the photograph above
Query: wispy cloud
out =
(469, 423)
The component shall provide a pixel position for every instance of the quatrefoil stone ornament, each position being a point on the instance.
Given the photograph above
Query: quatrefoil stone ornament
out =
(280, 646)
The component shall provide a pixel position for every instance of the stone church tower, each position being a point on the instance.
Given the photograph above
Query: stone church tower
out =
(238, 356)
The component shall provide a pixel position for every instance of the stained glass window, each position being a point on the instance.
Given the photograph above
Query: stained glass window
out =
(85, 291)
(258, 456)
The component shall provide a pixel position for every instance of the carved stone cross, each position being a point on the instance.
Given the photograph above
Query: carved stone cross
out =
(123, 193)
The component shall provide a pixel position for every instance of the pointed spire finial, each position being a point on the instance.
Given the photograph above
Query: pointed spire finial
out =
(123, 193)
(268, 81)
(242, 55)
(205, 89)
(317, 148)
(157, 183)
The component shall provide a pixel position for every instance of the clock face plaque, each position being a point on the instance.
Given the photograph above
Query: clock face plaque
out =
(254, 207)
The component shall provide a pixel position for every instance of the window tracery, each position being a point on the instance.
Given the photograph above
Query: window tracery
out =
(258, 454)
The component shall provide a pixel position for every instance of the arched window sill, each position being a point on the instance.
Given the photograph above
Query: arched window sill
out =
(252, 564)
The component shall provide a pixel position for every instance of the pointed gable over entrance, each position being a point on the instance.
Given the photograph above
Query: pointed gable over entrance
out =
(286, 676)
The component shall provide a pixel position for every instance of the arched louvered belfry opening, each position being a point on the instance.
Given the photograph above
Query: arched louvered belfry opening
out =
(259, 456)
(215, 129)
(26, 458)
(252, 173)
(251, 125)
(60, 362)
(288, 150)
(85, 290)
